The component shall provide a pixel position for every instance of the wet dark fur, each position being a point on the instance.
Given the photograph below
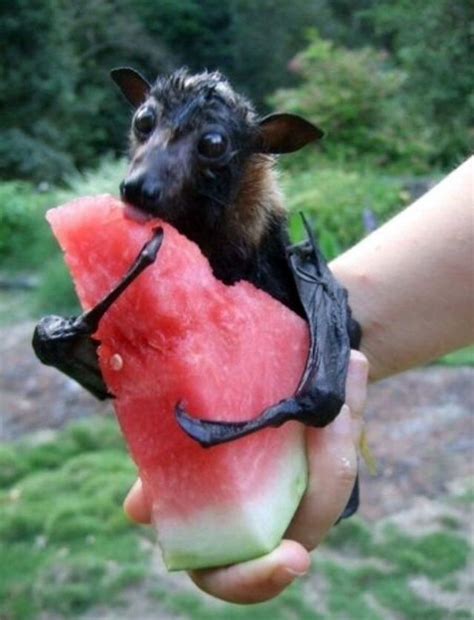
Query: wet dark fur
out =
(233, 210)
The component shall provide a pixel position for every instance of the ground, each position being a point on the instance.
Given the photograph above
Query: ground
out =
(420, 429)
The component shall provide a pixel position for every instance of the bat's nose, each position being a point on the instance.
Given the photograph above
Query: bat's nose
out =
(141, 191)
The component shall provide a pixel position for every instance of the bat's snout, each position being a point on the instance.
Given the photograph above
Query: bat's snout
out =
(142, 191)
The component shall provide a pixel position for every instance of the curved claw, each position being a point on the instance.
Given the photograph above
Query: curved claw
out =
(212, 432)
(90, 320)
(302, 408)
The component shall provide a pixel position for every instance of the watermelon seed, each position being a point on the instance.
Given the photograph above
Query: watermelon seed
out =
(116, 362)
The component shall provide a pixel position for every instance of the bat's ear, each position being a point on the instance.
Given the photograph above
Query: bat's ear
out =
(285, 133)
(134, 87)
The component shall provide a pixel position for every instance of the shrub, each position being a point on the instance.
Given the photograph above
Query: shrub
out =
(64, 541)
(432, 42)
(56, 293)
(336, 201)
(104, 178)
(355, 96)
(21, 223)
(32, 155)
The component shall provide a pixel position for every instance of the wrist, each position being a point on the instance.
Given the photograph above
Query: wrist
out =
(363, 302)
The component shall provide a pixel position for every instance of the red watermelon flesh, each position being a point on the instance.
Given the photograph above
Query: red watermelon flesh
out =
(227, 352)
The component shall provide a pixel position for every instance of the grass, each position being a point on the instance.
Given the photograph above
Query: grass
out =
(67, 548)
(61, 520)
(355, 570)
(400, 558)
(462, 357)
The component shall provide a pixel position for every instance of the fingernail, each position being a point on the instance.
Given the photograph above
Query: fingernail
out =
(342, 425)
(135, 488)
(356, 384)
(137, 485)
(284, 575)
(359, 366)
(295, 573)
(358, 356)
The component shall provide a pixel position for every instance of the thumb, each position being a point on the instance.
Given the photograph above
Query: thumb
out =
(257, 580)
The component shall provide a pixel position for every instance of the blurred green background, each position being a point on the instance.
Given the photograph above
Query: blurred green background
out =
(391, 84)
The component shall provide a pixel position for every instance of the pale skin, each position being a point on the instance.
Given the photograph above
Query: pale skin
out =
(410, 286)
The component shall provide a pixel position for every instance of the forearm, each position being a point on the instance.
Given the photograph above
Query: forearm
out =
(410, 282)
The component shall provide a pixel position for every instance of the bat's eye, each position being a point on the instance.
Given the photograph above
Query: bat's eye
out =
(212, 145)
(144, 122)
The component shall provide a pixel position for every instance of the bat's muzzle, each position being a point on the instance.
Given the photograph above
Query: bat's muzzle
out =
(143, 192)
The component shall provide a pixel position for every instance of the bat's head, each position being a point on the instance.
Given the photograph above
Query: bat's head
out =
(192, 140)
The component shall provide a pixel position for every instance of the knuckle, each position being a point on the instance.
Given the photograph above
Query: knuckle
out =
(346, 472)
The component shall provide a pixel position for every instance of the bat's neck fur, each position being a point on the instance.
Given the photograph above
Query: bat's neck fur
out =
(250, 242)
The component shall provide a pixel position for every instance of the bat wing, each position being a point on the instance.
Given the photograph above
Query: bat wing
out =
(333, 332)
(67, 343)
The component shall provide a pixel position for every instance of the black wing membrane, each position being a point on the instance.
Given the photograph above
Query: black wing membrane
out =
(321, 392)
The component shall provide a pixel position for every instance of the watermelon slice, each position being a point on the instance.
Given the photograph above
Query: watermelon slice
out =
(179, 335)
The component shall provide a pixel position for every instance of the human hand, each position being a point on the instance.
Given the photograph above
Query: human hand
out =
(332, 456)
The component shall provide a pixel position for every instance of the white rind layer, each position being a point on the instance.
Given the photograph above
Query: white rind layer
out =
(219, 536)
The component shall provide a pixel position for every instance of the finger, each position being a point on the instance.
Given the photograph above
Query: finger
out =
(356, 383)
(356, 391)
(332, 459)
(136, 505)
(256, 580)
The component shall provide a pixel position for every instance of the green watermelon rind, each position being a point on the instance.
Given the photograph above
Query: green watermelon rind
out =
(220, 536)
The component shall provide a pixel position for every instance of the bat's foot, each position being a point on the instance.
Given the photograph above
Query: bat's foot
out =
(67, 343)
